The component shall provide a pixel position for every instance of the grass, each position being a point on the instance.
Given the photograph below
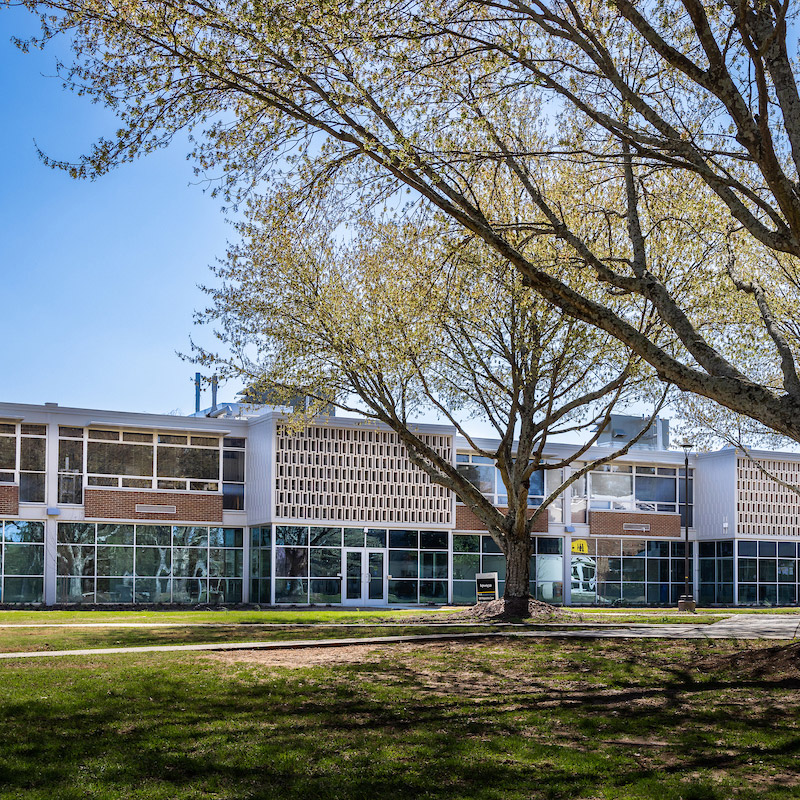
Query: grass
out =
(551, 719)
(222, 615)
(16, 640)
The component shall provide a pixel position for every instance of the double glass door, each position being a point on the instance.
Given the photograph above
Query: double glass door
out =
(364, 577)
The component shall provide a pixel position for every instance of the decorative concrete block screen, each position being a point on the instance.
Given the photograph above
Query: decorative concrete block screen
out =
(357, 475)
(764, 506)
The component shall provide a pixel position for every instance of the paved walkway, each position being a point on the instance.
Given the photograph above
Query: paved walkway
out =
(739, 626)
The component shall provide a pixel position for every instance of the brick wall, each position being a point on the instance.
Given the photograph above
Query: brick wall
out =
(103, 503)
(9, 499)
(609, 523)
(467, 521)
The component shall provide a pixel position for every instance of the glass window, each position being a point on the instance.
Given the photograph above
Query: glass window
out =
(23, 590)
(767, 570)
(481, 476)
(76, 532)
(24, 531)
(547, 545)
(233, 465)
(470, 543)
(291, 590)
(111, 436)
(633, 569)
(748, 548)
(106, 458)
(403, 564)
(8, 452)
(465, 565)
(403, 539)
(77, 560)
(187, 462)
(233, 496)
(190, 537)
(613, 488)
(23, 559)
(74, 433)
(189, 562)
(153, 561)
(326, 537)
(115, 561)
(137, 437)
(376, 538)
(226, 537)
(433, 591)
(115, 534)
(403, 591)
(433, 540)
(464, 592)
(433, 565)
(227, 563)
(786, 549)
(655, 489)
(747, 569)
(32, 454)
(291, 535)
(495, 564)
(324, 592)
(326, 562)
(153, 535)
(767, 549)
(31, 487)
(291, 562)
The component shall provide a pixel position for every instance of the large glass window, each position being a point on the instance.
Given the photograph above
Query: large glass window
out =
(626, 571)
(138, 460)
(767, 572)
(22, 576)
(23, 458)
(619, 487)
(261, 564)
(481, 472)
(111, 563)
(233, 477)
(473, 553)
(70, 465)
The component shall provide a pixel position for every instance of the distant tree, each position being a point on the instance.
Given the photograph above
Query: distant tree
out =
(388, 322)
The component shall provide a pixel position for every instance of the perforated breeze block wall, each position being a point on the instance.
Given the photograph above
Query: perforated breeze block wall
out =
(357, 475)
(612, 523)
(763, 506)
(121, 504)
(9, 499)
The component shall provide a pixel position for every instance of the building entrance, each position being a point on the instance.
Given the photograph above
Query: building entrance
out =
(365, 578)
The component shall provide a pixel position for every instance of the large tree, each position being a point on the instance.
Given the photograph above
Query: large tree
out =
(390, 323)
(433, 95)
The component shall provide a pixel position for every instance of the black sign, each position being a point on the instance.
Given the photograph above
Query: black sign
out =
(487, 587)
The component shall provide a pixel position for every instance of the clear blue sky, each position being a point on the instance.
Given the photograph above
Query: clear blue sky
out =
(98, 280)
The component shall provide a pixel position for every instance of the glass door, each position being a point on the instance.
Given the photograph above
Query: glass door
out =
(364, 577)
(353, 576)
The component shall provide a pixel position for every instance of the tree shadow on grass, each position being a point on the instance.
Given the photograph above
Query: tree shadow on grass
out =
(397, 728)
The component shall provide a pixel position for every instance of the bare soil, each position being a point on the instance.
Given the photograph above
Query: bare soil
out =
(779, 661)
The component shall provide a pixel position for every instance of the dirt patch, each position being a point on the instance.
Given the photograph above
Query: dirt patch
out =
(496, 611)
(780, 661)
(296, 658)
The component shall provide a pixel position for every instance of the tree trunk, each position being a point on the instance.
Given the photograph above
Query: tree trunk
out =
(517, 591)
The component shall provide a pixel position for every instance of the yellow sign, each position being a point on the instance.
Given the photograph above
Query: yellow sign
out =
(580, 546)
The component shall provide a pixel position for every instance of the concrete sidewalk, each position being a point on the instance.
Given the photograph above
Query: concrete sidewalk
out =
(740, 626)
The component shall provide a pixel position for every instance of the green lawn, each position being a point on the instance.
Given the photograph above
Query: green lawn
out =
(222, 616)
(18, 639)
(488, 720)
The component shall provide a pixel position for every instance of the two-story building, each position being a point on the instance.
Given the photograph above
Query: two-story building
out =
(229, 506)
